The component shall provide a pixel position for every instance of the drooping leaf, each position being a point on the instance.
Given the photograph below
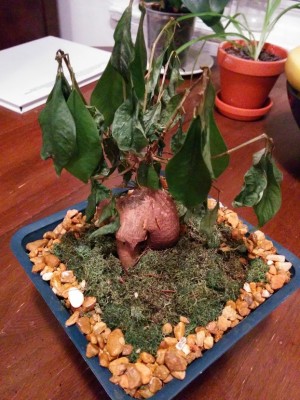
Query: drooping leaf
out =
(177, 139)
(139, 63)
(175, 77)
(261, 189)
(208, 6)
(127, 129)
(97, 117)
(111, 150)
(151, 119)
(58, 126)
(271, 199)
(154, 75)
(255, 183)
(169, 112)
(123, 51)
(214, 143)
(89, 152)
(188, 177)
(111, 216)
(147, 176)
(107, 96)
(107, 229)
(98, 193)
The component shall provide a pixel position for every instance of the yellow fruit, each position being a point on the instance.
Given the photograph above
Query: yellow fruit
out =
(292, 68)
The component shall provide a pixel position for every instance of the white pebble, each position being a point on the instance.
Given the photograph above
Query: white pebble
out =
(247, 287)
(180, 345)
(265, 294)
(186, 349)
(75, 297)
(136, 295)
(47, 276)
(276, 257)
(270, 262)
(283, 266)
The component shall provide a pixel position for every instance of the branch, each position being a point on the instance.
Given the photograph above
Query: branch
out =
(268, 141)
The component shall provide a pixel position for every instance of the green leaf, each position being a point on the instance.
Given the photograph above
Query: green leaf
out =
(177, 139)
(89, 152)
(98, 193)
(97, 116)
(147, 176)
(207, 6)
(214, 144)
(175, 76)
(154, 75)
(261, 189)
(139, 64)
(209, 220)
(271, 199)
(108, 93)
(127, 129)
(107, 229)
(110, 214)
(169, 111)
(151, 119)
(255, 183)
(188, 177)
(123, 51)
(58, 127)
(111, 150)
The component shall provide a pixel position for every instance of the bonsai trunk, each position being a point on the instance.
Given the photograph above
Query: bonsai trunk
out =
(148, 218)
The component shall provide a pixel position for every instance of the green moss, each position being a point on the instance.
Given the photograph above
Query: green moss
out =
(257, 271)
(188, 279)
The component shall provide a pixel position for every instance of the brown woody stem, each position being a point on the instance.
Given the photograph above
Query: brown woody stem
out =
(268, 141)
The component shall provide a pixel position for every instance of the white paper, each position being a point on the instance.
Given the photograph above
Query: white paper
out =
(28, 71)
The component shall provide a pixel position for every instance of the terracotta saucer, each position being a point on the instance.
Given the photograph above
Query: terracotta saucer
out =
(242, 114)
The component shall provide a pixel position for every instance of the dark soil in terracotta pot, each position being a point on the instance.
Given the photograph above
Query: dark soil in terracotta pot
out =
(242, 52)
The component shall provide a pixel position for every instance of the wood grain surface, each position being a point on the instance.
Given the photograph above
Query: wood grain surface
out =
(38, 361)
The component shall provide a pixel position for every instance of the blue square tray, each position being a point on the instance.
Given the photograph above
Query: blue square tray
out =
(36, 230)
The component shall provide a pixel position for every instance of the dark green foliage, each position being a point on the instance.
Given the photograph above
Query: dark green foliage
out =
(110, 82)
(257, 271)
(84, 163)
(208, 6)
(188, 177)
(147, 176)
(98, 193)
(123, 51)
(261, 189)
(58, 126)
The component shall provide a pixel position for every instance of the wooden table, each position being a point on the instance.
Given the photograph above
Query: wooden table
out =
(38, 361)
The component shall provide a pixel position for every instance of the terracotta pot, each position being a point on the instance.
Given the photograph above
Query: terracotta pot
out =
(247, 83)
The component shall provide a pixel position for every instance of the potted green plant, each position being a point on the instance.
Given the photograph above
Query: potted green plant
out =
(249, 67)
(126, 240)
(160, 12)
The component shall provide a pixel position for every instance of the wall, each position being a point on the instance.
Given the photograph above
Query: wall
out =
(86, 21)
(92, 22)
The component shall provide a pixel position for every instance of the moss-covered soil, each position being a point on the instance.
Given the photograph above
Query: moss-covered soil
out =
(188, 280)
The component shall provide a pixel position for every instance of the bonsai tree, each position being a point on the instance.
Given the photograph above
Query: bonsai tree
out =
(123, 131)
